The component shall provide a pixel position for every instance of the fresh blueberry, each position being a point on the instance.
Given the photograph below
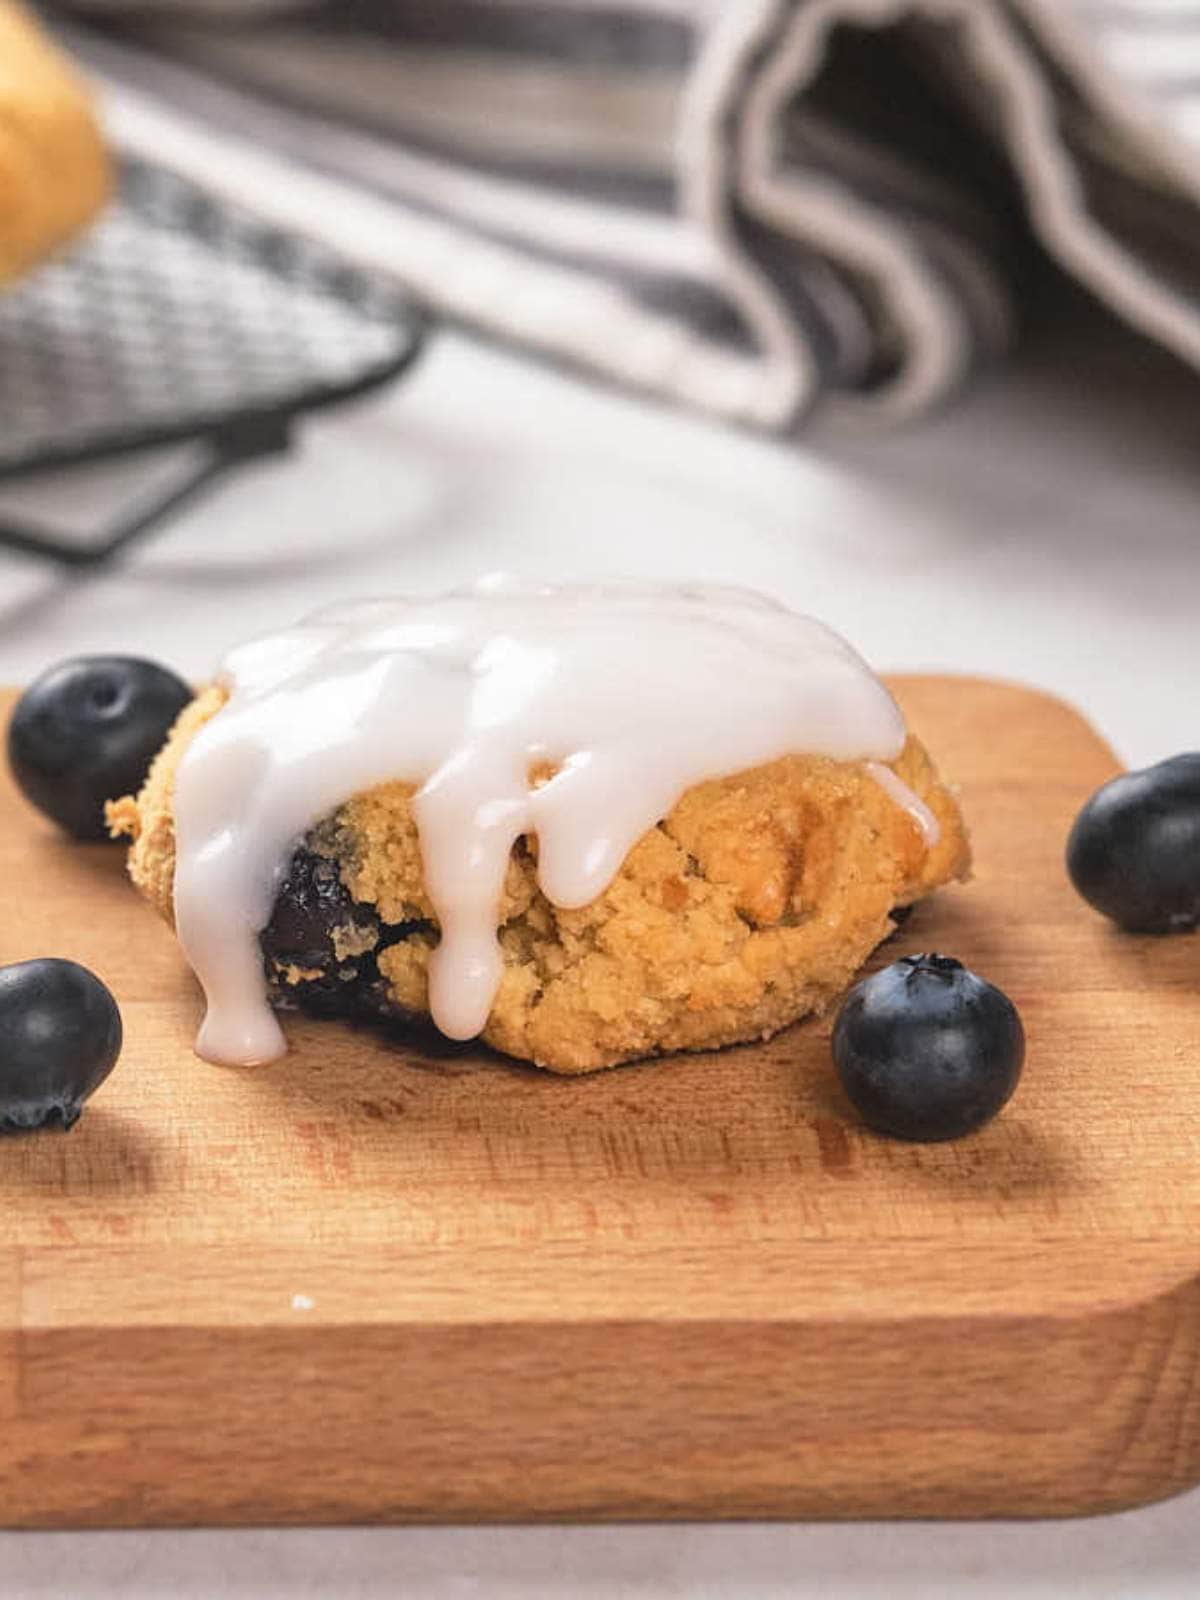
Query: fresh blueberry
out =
(60, 1036)
(86, 731)
(926, 1050)
(1134, 852)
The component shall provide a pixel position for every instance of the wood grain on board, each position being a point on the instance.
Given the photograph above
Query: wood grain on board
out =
(373, 1284)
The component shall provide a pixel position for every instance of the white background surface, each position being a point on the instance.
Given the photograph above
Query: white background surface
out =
(1047, 530)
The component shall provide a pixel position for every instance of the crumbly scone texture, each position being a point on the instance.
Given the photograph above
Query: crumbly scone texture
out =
(751, 905)
(54, 174)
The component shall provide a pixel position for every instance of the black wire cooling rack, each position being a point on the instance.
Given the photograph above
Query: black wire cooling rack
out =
(181, 318)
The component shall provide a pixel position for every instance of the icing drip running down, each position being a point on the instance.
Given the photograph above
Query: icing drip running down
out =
(634, 692)
(927, 824)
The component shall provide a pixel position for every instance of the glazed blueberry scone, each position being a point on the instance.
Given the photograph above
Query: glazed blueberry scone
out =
(748, 899)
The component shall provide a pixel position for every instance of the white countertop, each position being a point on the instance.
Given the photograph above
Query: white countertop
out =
(1047, 530)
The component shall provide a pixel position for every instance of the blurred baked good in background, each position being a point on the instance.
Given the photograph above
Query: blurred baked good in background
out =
(54, 175)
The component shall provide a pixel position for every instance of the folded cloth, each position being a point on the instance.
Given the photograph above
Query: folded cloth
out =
(745, 206)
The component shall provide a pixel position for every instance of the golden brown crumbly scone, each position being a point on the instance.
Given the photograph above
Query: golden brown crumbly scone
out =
(751, 905)
(53, 172)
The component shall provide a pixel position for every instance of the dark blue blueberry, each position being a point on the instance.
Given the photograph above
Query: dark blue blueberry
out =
(926, 1050)
(300, 943)
(86, 731)
(60, 1036)
(1134, 852)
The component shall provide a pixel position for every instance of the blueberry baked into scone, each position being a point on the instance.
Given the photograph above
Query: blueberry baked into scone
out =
(54, 174)
(588, 824)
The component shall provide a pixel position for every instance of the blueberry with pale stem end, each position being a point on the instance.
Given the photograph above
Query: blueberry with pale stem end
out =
(86, 731)
(926, 1050)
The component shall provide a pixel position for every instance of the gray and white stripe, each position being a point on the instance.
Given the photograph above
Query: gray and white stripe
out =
(746, 206)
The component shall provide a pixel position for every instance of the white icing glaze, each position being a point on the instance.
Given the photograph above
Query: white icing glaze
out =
(635, 692)
(928, 825)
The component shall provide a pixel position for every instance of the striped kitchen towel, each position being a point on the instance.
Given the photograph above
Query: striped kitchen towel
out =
(744, 206)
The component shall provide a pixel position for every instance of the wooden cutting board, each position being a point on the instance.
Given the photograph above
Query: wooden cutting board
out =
(370, 1284)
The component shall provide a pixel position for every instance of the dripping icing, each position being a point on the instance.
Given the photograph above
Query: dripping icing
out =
(927, 824)
(633, 692)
